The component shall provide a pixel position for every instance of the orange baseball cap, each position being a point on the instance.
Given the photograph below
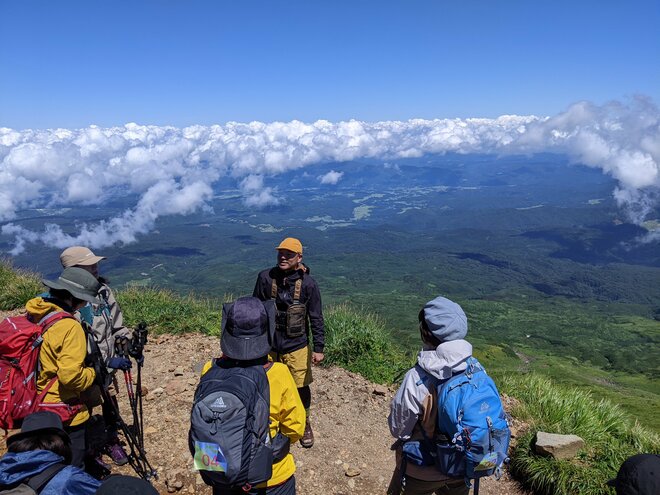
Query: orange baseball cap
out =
(291, 244)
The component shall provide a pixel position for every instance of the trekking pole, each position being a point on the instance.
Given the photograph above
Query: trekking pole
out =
(122, 349)
(137, 351)
(136, 457)
(138, 391)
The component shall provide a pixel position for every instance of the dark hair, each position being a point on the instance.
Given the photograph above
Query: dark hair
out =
(64, 296)
(42, 441)
(424, 331)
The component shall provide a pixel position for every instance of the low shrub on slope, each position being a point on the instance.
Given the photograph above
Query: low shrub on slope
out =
(610, 436)
(17, 286)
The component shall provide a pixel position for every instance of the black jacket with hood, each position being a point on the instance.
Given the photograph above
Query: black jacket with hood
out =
(309, 295)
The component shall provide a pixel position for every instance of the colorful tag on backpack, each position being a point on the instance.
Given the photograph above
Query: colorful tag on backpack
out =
(489, 461)
(209, 457)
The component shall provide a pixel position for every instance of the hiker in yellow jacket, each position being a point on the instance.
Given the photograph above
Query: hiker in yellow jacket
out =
(63, 352)
(287, 414)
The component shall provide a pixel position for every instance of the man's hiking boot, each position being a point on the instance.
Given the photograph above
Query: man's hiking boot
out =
(308, 438)
(116, 452)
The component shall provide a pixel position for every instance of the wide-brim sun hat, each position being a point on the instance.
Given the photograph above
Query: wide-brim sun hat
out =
(78, 282)
(79, 255)
(40, 423)
(248, 325)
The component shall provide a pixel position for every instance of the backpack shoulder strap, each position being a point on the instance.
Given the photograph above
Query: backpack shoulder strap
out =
(296, 291)
(39, 481)
(273, 289)
(51, 318)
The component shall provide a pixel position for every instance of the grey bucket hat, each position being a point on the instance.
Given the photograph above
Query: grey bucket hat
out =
(248, 325)
(78, 282)
(445, 319)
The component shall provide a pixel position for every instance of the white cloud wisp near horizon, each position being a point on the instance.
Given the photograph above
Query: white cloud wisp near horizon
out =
(173, 170)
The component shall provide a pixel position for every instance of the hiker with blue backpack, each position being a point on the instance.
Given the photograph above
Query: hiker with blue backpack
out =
(446, 415)
(246, 410)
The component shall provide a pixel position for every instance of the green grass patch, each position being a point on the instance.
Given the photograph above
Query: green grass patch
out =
(610, 434)
(17, 286)
(358, 341)
(166, 312)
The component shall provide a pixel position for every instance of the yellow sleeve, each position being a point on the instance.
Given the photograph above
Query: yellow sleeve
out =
(71, 370)
(292, 413)
(207, 366)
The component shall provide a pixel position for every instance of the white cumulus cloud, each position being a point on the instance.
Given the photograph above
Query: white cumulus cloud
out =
(173, 170)
(331, 177)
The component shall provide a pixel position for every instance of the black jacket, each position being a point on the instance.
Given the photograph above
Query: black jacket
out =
(309, 295)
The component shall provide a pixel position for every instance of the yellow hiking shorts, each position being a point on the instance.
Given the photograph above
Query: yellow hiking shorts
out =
(299, 363)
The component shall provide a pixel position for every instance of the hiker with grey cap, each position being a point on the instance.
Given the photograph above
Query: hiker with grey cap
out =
(245, 377)
(443, 328)
(38, 459)
(106, 325)
(62, 369)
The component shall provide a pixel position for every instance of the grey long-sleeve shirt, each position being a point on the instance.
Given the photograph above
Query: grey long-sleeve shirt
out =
(414, 404)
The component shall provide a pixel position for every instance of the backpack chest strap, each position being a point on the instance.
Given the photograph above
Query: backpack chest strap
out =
(296, 291)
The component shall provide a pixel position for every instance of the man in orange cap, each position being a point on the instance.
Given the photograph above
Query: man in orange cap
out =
(299, 310)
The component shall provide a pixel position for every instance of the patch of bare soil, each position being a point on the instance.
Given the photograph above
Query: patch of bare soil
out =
(349, 415)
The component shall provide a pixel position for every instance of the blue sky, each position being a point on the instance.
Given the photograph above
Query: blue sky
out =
(72, 64)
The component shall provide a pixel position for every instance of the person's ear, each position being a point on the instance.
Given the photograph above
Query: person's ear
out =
(76, 304)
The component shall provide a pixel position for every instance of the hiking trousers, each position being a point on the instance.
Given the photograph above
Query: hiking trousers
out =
(286, 488)
(421, 487)
(77, 434)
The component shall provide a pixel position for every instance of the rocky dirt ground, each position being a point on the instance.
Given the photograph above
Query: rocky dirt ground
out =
(349, 415)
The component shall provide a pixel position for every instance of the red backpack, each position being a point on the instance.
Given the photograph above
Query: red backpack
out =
(20, 341)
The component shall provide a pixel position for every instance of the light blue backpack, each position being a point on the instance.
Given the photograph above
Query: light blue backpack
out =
(470, 413)
(473, 429)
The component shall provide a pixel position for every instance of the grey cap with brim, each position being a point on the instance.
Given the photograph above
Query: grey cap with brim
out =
(445, 319)
(78, 282)
(248, 325)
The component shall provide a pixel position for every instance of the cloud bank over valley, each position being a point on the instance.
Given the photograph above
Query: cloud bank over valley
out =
(173, 171)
